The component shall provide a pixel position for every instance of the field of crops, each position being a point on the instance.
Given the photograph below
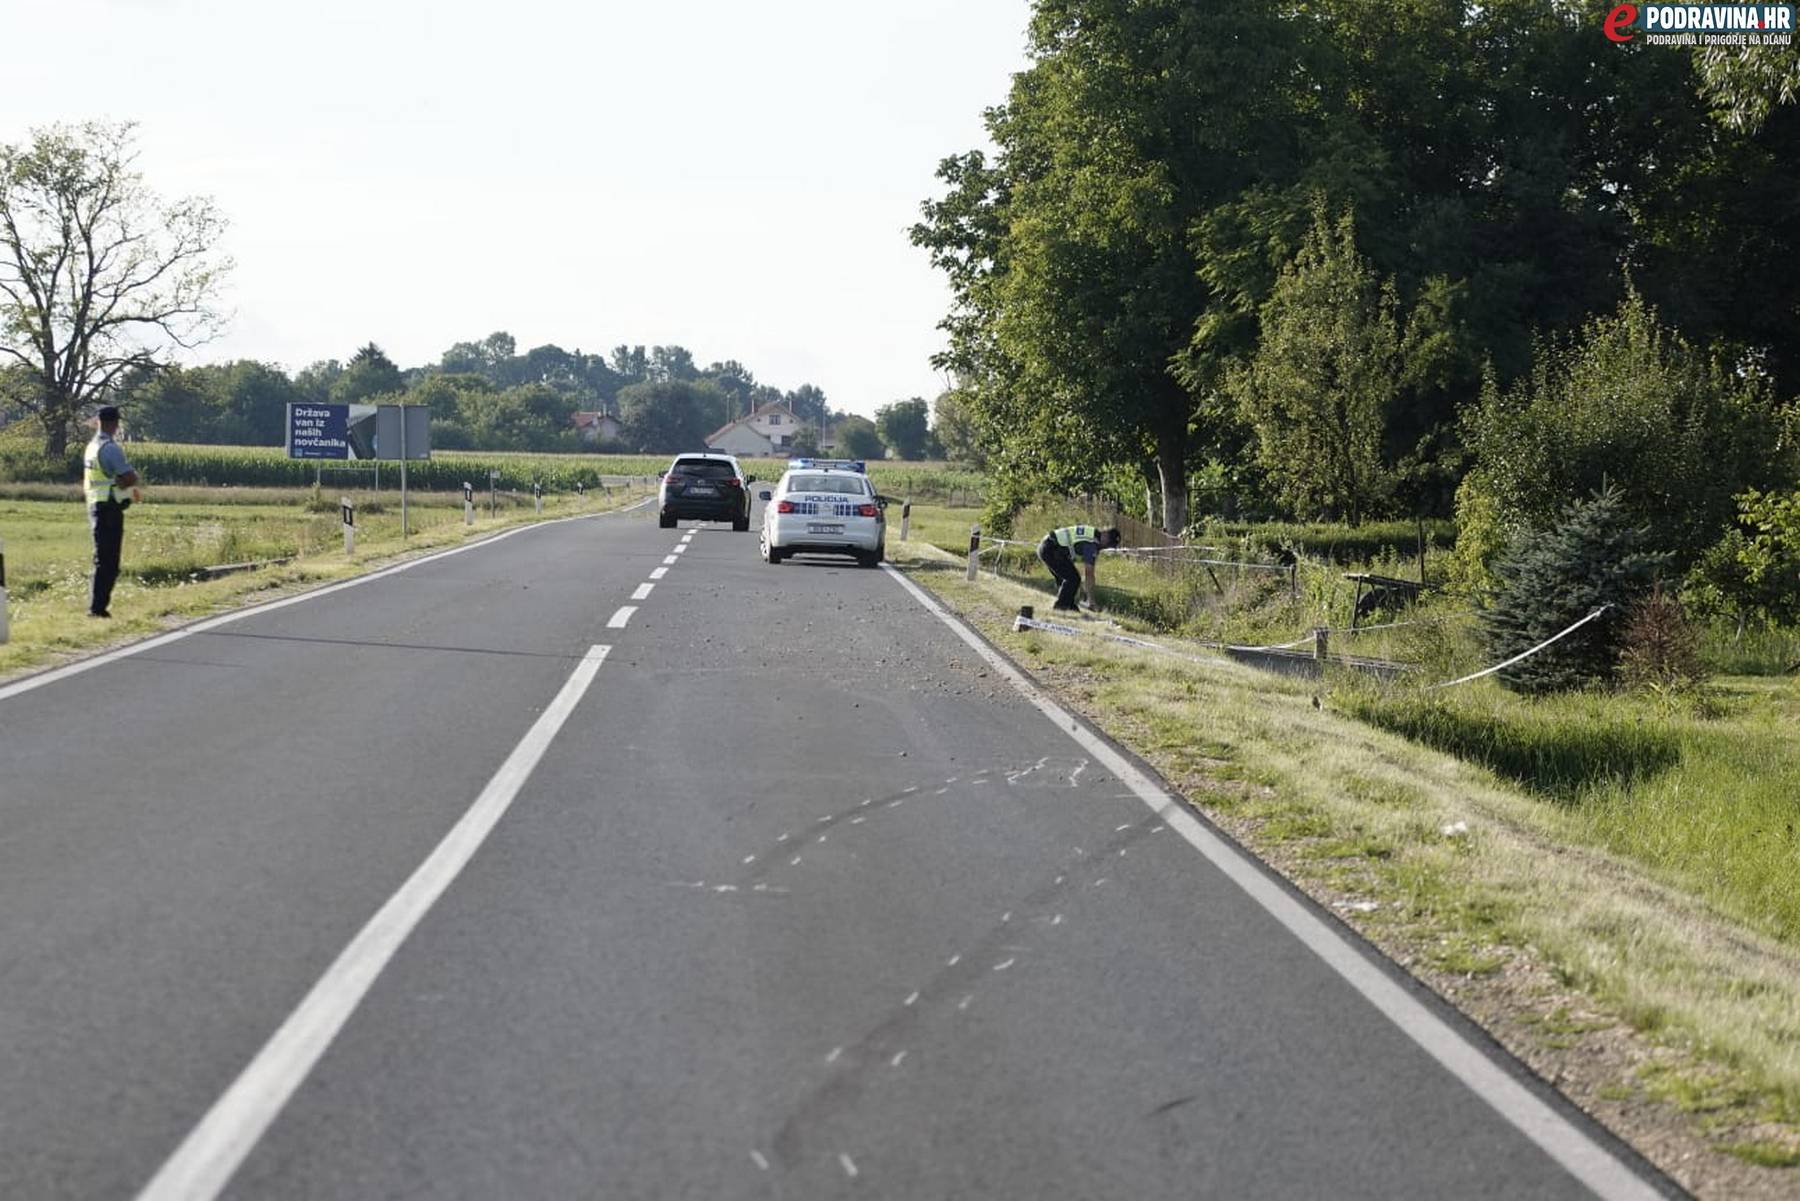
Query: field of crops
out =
(269, 467)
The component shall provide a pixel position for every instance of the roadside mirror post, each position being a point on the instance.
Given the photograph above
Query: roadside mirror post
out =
(468, 503)
(974, 551)
(347, 511)
(3, 630)
(905, 519)
(537, 496)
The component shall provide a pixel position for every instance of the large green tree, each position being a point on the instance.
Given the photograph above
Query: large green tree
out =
(98, 275)
(905, 426)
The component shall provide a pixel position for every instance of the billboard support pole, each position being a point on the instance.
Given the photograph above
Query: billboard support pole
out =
(402, 476)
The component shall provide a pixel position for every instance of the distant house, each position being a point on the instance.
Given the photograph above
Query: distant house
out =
(597, 427)
(769, 430)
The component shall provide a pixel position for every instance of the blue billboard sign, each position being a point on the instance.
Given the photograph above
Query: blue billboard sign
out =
(318, 431)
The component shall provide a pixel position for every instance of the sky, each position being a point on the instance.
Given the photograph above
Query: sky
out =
(736, 178)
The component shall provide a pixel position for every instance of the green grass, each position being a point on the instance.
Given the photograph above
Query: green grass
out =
(49, 552)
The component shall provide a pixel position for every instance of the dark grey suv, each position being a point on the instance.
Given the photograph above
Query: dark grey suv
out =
(705, 487)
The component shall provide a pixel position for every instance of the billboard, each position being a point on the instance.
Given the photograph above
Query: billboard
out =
(331, 431)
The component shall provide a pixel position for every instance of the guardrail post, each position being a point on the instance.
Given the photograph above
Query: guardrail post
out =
(974, 551)
(3, 630)
(1321, 643)
(347, 512)
(468, 503)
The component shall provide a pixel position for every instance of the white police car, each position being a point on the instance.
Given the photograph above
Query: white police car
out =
(824, 507)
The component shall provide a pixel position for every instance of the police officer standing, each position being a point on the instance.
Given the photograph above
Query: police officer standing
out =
(1059, 550)
(109, 480)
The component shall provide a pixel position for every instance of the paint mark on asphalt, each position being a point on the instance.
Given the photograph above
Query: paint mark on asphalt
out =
(849, 1166)
(897, 1060)
(761, 1160)
(643, 592)
(617, 620)
(659, 573)
(668, 559)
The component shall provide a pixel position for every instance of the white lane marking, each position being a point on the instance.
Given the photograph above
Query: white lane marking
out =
(203, 1164)
(659, 573)
(824, 838)
(1560, 1138)
(9, 691)
(953, 961)
(835, 1053)
(680, 547)
(783, 836)
(794, 862)
(849, 1165)
(617, 620)
(643, 592)
(913, 999)
(1057, 920)
(1006, 917)
(688, 537)
(857, 821)
(725, 888)
(964, 1003)
(760, 1159)
(897, 1060)
(749, 858)
(1100, 881)
(1004, 964)
(669, 560)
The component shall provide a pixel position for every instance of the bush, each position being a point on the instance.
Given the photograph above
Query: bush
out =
(1752, 574)
(1630, 404)
(1554, 578)
(1661, 648)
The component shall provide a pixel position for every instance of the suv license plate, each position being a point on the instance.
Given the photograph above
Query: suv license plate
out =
(819, 527)
(702, 490)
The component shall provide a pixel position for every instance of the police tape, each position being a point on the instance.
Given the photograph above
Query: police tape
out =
(1022, 622)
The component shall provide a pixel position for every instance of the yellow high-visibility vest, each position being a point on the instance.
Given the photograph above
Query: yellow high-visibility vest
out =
(99, 483)
(1069, 535)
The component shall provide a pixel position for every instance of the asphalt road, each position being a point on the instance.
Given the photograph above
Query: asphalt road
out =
(793, 894)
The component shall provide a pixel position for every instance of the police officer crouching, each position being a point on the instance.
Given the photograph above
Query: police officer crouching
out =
(1059, 550)
(109, 480)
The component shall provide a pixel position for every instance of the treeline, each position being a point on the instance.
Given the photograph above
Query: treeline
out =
(483, 395)
(1346, 260)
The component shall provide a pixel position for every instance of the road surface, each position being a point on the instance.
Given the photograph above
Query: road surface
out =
(467, 882)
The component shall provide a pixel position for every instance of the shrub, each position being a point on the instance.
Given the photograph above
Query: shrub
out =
(1752, 574)
(1554, 578)
(1661, 648)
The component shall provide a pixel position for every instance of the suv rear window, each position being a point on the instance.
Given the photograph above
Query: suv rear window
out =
(706, 469)
(850, 485)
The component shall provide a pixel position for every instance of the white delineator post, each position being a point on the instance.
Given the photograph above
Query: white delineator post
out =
(537, 495)
(347, 511)
(468, 503)
(905, 519)
(581, 490)
(974, 551)
(3, 630)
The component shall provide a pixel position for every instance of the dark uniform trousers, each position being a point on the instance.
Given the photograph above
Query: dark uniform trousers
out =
(1061, 563)
(109, 538)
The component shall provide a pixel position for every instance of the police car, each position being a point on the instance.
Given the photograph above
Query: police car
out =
(824, 507)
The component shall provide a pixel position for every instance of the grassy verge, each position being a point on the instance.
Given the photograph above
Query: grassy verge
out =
(49, 552)
(1582, 933)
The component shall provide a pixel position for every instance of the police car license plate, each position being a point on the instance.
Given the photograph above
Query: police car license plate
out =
(821, 527)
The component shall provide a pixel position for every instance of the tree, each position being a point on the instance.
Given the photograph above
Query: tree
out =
(857, 437)
(669, 416)
(1324, 376)
(1591, 557)
(370, 373)
(808, 404)
(1630, 403)
(1744, 83)
(954, 426)
(98, 275)
(905, 426)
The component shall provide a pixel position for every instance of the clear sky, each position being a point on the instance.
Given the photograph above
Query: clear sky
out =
(735, 177)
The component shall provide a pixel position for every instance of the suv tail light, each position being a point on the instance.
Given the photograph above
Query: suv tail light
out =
(671, 478)
(786, 506)
(867, 511)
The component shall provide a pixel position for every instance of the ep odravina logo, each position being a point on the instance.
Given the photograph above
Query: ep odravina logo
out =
(1709, 18)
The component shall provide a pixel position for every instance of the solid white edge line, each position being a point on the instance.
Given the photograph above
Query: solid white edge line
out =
(643, 592)
(17, 687)
(203, 1164)
(618, 619)
(1579, 1154)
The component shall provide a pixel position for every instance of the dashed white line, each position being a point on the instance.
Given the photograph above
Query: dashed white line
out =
(964, 1003)
(643, 592)
(762, 1161)
(913, 999)
(1057, 920)
(1004, 964)
(824, 837)
(680, 548)
(659, 573)
(617, 620)
(953, 961)
(857, 821)
(794, 862)
(849, 1165)
(835, 1053)
(896, 1060)
(1006, 917)
(749, 858)
(688, 537)
(203, 1164)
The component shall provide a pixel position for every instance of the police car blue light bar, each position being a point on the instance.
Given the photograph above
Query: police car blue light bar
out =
(857, 465)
